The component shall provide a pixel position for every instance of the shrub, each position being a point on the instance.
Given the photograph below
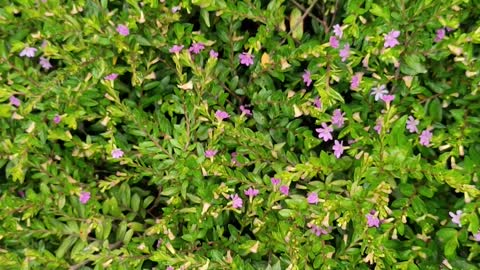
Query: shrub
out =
(239, 134)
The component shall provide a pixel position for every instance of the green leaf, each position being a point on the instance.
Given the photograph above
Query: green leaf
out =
(435, 110)
(413, 65)
(296, 24)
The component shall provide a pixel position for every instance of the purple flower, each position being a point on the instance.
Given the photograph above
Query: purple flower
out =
(213, 54)
(317, 230)
(117, 153)
(476, 236)
(123, 30)
(379, 92)
(425, 137)
(175, 9)
(45, 63)
(440, 35)
(317, 102)
(246, 59)
(378, 126)
(372, 220)
(57, 119)
(44, 44)
(284, 190)
(312, 198)
(221, 115)
(345, 52)
(15, 101)
(251, 192)
(210, 153)
(236, 201)
(170, 268)
(28, 52)
(355, 82)
(84, 197)
(456, 217)
(196, 48)
(391, 39)
(111, 77)
(176, 49)
(275, 181)
(306, 78)
(338, 148)
(412, 124)
(245, 111)
(334, 43)
(337, 118)
(388, 98)
(325, 132)
(337, 29)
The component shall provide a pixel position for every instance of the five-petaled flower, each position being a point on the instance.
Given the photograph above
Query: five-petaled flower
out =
(312, 198)
(245, 111)
(210, 153)
(412, 124)
(221, 115)
(391, 39)
(123, 30)
(45, 63)
(57, 119)
(251, 192)
(117, 153)
(337, 29)
(111, 77)
(337, 118)
(284, 190)
(196, 48)
(338, 148)
(246, 59)
(84, 197)
(425, 137)
(28, 52)
(15, 101)
(325, 132)
(317, 230)
(440, 35)
(334, 43)
(355, 82)
(345, 52)
(388, 98)
(372, 219)
(379, 92)
(456, 217)
(275, 181)
(307, 78)
(213, 54)
(236, 201)
(176, 49)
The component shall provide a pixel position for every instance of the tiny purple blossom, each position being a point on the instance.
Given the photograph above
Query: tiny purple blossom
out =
(337, 29)
(221, 115)
(476, 236)
(176, 49)
(378, 126)
(170, 268)
(44, 44)
(246, 59)
(388, 98)
(123, 30)
(57, 119)
(111, 77)
(355, 82)
(213, 54)
(210, 153)
(334, 43)
(196, 48)
(425, 137)
(372, 220)
(307, 78)
(45, 63)
(28, 52)
(456, 217)
(312, 198)
(251, 192)
(175, 9)
(337, 118)
(245, 111)
(338, 149)
(236, 201)
(275, 181)
(379, 92)
(284, 190)
(391, 39)
(84, 197)
(412, 124)
(117, 153)
(345, 52)
(317, 102)
(325, 133)
(317, 230)
(15, 101)
(440, 35)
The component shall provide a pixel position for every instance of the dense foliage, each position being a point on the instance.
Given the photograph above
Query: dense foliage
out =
(223, 134)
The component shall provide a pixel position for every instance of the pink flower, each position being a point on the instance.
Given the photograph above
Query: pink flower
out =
(317, 102)
(236, 201)
(372, 220)
(57, 119)
(15, 101)
(123, 30)
(391, 39)
(312, 198)
(345, 52)
(213, 54)
(379, 92)
(221, 115)
(28, 52)
(251, 192)
(245, 111)
(111, 77)
(44, 44)
(325, 132)
(45, 63)
(355, 82)
(176, 49)
(317, 230)
(306, 78)
(425, 137)
(456, 217)
(378, 126)
(440, 35)
(338, 148)
(275, 181)
(246, 59)
(334, 43)
(284, 190)
(337, 118)
(388, 98)
(175, 9)
(210, 153)
(337, 29)
(196, 48)
(476, 236)
(170, 268)
(117, 153)
(412, 124)
(84, 197)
